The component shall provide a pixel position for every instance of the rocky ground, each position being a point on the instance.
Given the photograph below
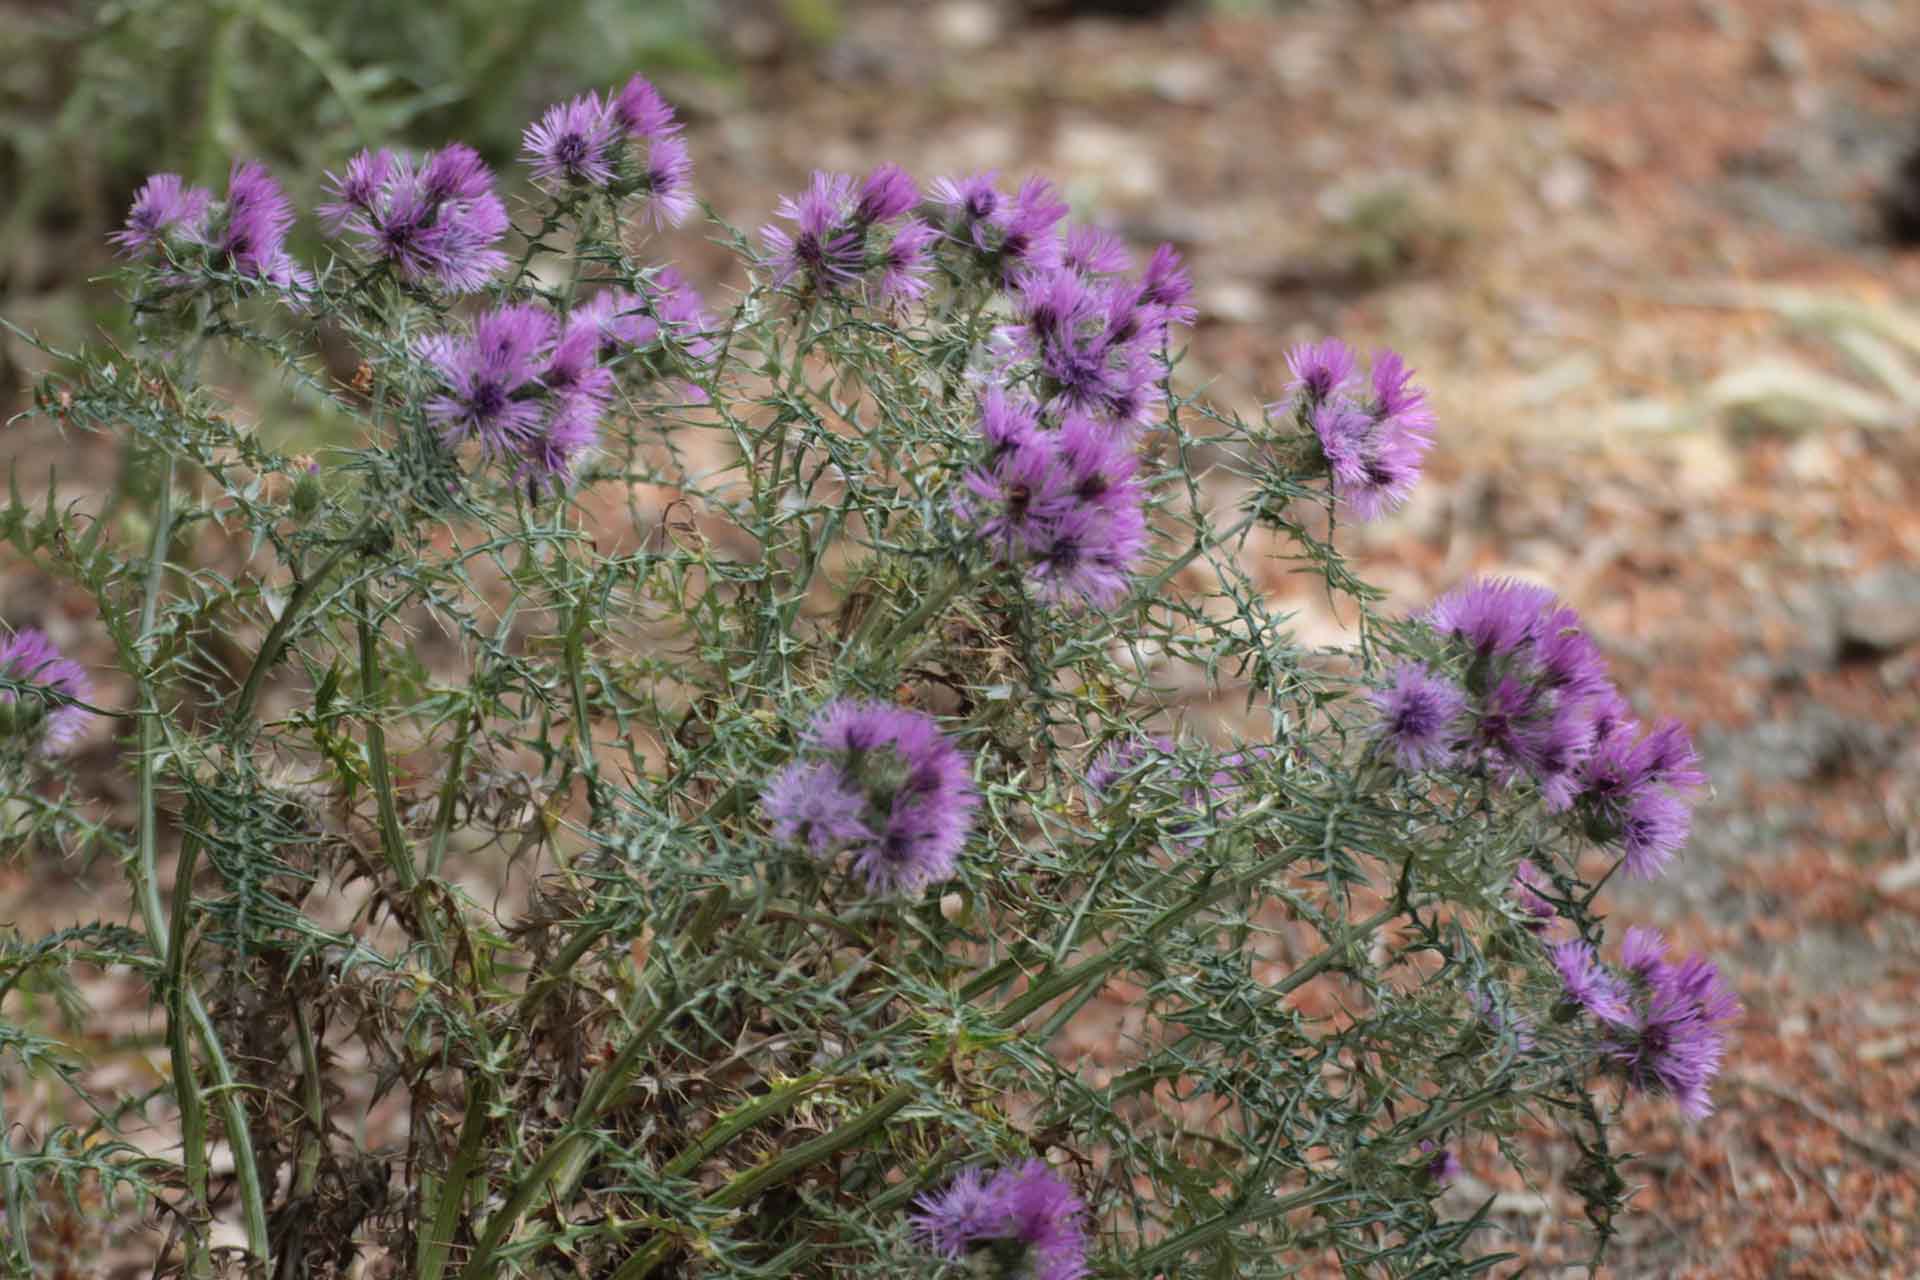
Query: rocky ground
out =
(1646, 253)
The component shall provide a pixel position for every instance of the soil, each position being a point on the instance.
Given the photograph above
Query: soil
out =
(1652, 257)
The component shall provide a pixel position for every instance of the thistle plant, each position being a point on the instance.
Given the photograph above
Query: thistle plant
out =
(814, 648)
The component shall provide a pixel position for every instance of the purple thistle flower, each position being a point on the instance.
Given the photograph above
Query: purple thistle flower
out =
(970, 201)
(884, 195)
(1320, 370)
(578, 390)
(667, 177)
(1670, 759)
(1053, 307)
(619, 320)
(1634, 789)
(1390, 469)
(1417, 714)
(163, 205)
(573, 370)
(1569, 662)
(642, 112)
(1654, 827)
(455, 172)
(30, 658)
(491, 378)
(968, 1210)
(914, 787)
(1090, 251)
(1169, 287)
(1499, 1020)
(1494, 616)
(1373, 449)
(683, 314)
(1027, 239)
(1027, 1219)
(549, 456)
(1090, 556)
(1442, 1165)
(816, 805)
(824, 245)
(359, 192)
(439, 221)
(1121, 758)
(1395, 400)
(1589, 985)
(258, 218)
(1064, 502)
(1342, 430)
(1007, 422)
(1676, 1037)
(573, 143)
(1527, 890)
(1015, 501)
(906, 261)
(1644, 952)
(1098, 466)
(1552, 749)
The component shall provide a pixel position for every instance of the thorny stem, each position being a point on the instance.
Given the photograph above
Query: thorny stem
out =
(185, 1008)
(290, 614)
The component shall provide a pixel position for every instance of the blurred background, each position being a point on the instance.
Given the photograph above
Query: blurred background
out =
(1658, 261)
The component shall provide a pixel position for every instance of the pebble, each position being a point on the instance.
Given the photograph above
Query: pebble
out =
(1880, 611)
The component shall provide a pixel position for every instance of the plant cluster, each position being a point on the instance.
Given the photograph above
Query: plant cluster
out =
(832, 665)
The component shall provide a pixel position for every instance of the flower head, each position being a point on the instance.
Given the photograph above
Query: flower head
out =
(491, 379)
(1675, 1037)
(1118, 759)
(1636, 789)
(884, 195)
(1588, 984)
(1027, 1219)
(1373, 447)
(1528, 891)
(163, 206)
(257, 220)
(1442, 1165)
(1064, 502)
(1167, 285)
(882, 783)
(1417, 715)
(50, 723)
(1320, 370)
(436, 222)
(1090, 251)
(572, 145)
(906, 261)
(667, 178)
(1493, 616)
(640, 110)
(824, 246)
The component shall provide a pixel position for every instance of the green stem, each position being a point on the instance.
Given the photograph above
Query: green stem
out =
(1042, 992)
(437, 1242)
(184, 1005)
(399, 857)
(1201, 545)
(193, 1115)
(746, 1186)
(1176, 1248)
(283, 626)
